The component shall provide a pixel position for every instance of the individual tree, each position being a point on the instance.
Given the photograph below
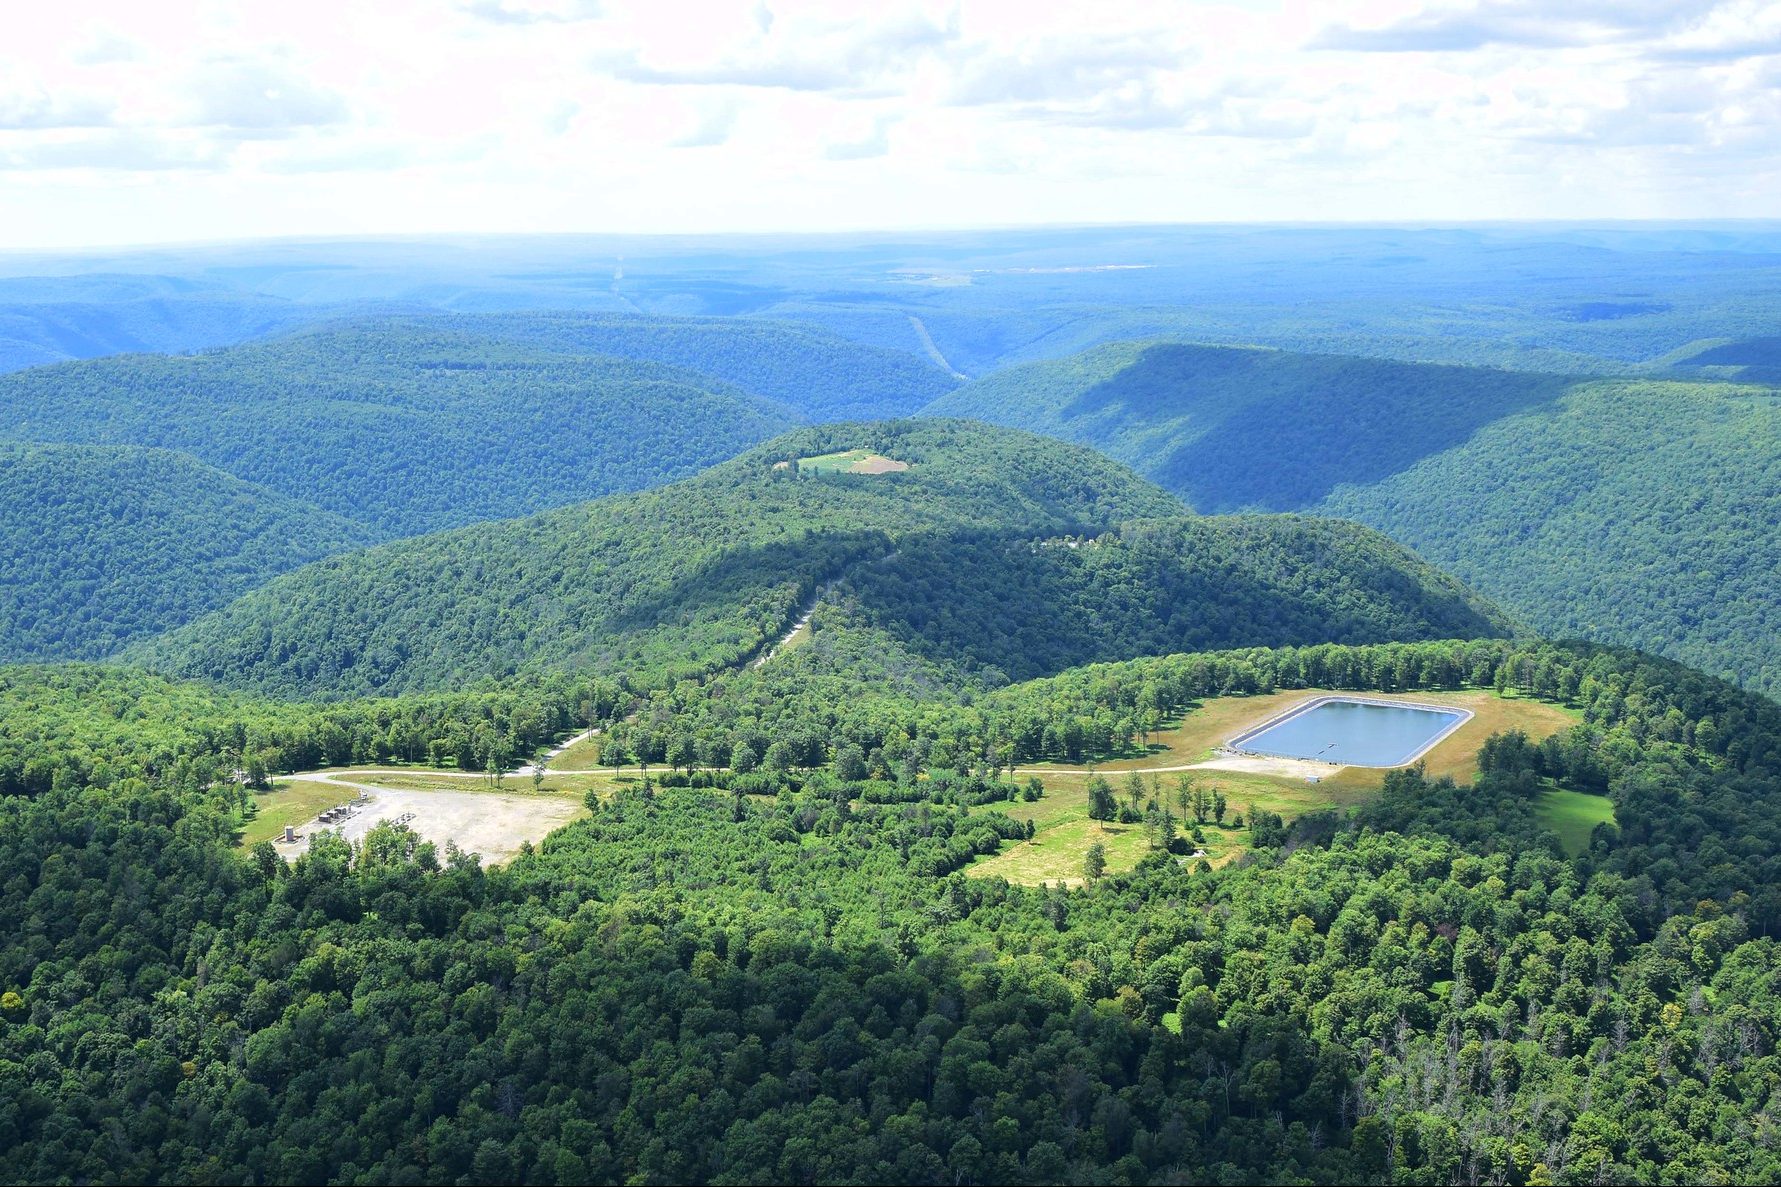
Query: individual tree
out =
(850, 763)
(1184, 793)
(1101, 804)
(1134, 792)
(1094, 862)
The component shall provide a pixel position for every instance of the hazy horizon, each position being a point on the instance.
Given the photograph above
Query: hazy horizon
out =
(742, 238)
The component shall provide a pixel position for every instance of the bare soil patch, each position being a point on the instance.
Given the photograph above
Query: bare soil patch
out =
(491, 824)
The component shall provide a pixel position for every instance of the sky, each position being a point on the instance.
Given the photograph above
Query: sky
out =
(150, 122)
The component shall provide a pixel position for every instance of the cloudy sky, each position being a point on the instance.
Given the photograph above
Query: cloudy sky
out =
(152, 121)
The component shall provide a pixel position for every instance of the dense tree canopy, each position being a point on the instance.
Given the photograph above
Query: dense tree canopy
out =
(1627, 511)
(686, 579)
(989, 556)
(1634, 513)
(102, 545)
(403, 426)
(690, 986)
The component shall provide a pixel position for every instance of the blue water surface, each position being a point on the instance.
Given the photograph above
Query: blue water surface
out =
(1352, 733)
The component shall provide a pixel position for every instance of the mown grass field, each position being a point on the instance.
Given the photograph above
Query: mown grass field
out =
(851, 461)
(1064, 831)
(584, 755)
(1573, 815)
(290, 801)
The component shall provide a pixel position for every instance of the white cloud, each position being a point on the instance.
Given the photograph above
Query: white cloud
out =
(256, 95)
(532, 12)
(38, 110)
(133, 121)
(875, 143)
(712, 128)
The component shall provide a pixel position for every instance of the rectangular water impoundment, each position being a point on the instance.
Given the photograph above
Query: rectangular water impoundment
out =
(1353, 731)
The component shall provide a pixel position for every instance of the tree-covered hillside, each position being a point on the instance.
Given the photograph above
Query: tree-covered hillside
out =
(824, 376)
(1636, 513)
(686, 578)
(961, 560)
(1631, 511)
(1235, 428)
(402, 426)
(1016, 607)
(51, 319)
(706, 986)
(102, 545)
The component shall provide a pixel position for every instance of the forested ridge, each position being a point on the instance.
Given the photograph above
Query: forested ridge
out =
(102, 545)
(403, 425)
(824, 376)
(966, 558)
(684, 579)
(1636, 513)
(693, 985)
(1233, 428)
(787, 937)
(50, 319)
(144, 490)
(1015, 608)
(1633, 511)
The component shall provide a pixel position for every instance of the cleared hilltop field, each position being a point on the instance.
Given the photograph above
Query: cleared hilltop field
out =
(1191, 749)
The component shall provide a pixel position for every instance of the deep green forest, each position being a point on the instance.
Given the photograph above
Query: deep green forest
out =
(892, 830)
(1635, 513)
(1013, 608)
(684, 579)
(693, 985)
(1246, 429)
(1629, 511)
(157, 488)
(403, 426)
(103, 545)
(963, 557)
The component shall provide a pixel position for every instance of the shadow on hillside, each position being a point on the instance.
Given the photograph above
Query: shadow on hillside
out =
(1199, 585)
(1278, 431)
(731, 590)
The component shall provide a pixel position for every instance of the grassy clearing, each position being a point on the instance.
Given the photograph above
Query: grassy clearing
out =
(291, 802)
(851, 461)
(1219, 719)
(1064, 831)
(584, 754)
(1066, 794)
(576, 785)
(1056, 854)
(1573, 815)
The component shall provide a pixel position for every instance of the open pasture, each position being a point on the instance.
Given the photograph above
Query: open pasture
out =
(851, 461)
